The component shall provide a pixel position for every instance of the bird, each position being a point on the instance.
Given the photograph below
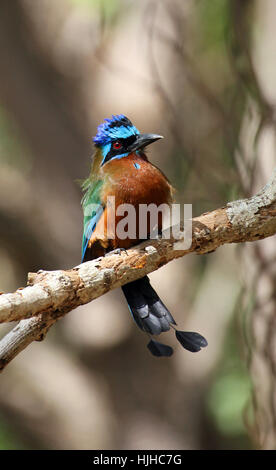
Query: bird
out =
(121, 170)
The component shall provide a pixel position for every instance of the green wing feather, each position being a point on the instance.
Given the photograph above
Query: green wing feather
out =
(92, 210)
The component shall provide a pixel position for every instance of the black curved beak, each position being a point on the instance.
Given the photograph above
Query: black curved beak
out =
(143, 140)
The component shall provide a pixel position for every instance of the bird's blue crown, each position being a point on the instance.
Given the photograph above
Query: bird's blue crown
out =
(117, 127)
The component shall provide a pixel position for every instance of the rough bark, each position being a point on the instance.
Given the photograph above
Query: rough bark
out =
(51, 294)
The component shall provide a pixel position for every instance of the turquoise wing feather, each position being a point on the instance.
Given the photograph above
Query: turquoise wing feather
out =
(92, 210)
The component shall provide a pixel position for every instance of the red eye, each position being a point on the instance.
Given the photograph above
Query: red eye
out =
(117, 145)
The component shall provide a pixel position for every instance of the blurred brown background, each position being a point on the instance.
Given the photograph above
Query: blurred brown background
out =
(202, 73)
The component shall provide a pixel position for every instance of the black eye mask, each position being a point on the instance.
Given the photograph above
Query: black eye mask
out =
(125, 144)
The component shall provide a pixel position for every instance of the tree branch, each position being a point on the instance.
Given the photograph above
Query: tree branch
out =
(51, 294)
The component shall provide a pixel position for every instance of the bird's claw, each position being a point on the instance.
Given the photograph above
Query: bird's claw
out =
(117, 251)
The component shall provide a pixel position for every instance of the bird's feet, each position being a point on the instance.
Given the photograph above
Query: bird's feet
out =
(117, 251)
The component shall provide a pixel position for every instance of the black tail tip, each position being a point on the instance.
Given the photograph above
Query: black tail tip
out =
(190, 340)
(159, 349)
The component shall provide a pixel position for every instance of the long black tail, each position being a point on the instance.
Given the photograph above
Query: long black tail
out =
(153, 317)
(147, 309)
